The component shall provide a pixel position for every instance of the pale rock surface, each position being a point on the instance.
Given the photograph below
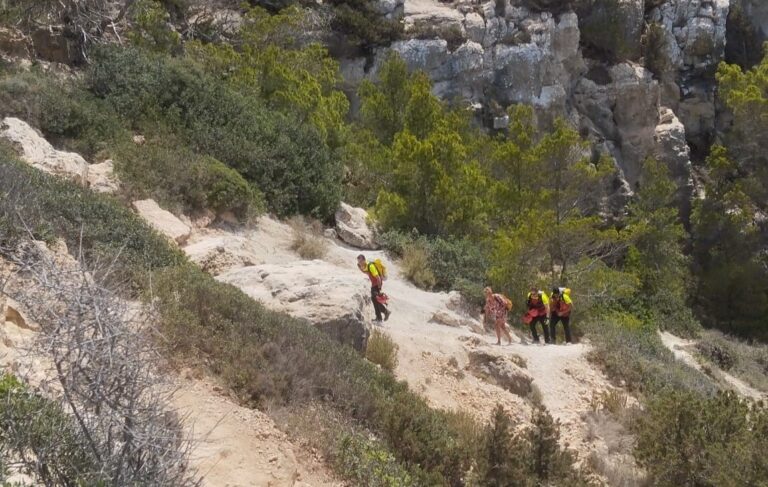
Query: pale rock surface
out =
(502, 371)
(102, 178)
(37, 152)
(672, 149)
(334, 299)
(449, 318)
(352, 227)
(163, 221)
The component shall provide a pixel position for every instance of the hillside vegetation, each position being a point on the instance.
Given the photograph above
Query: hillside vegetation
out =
(255, 121)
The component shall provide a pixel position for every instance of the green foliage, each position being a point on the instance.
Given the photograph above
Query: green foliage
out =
(727, 249)
(65, 113)
(283, 158)
(382, 350)
(685, 439)
(656, 255)
(150, 28)
(545, 203)
(272, 64)
(362, 26)
(526, 458)
(416, 267)
(33, 425)
(655, 50)
(180, 179)
(367, 462)
(94, 224)
(747, 361)
(630, 351)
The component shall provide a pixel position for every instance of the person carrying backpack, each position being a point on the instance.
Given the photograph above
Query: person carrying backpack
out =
(561, 306)
(496, 308)
(377, 280)
(538, 312)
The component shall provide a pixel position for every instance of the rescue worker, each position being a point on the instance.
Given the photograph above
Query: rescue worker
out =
(369, 268)
(561, 305)
(538, 312)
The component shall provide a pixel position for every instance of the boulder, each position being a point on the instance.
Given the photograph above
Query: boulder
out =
(352, 227)
(501, 371)
(451, 319)
(332, 299)
(101, 177)
(163, 221)
(36, 151)
(474, 25)
(219, 254)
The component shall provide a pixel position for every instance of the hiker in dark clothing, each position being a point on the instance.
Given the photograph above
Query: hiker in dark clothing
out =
(378, 299)
(560, 304)
(538, 312)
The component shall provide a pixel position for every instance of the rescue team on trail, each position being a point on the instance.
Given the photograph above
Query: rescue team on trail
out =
(543, 310)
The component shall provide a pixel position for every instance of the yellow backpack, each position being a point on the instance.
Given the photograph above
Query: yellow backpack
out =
(381, 268)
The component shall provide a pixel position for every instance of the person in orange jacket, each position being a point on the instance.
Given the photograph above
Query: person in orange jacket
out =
(538, 312)
(561, 306)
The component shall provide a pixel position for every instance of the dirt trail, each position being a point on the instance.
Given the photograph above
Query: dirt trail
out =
(238, 447)
(681, 347)
(433, 357)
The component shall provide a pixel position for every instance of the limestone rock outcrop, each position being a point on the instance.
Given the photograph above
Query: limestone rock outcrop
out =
(336, 301)
(163, 221)
(502, 371)
(352, 227)
(101, 177)
(39, 153)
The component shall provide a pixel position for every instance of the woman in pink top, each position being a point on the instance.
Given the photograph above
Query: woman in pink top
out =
(496, 309)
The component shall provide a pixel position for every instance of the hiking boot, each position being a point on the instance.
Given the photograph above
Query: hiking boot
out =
(386, 314)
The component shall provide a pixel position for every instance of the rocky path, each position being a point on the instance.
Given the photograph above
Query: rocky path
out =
(235, 446)
(681, 348)
(433, 358)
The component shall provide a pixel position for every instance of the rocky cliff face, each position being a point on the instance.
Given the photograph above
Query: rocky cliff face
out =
(580, 60)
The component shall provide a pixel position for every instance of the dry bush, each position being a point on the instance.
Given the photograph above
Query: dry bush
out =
(382, 350)
(614, 401)
(416, 267)
(308, 239)
(104, 372)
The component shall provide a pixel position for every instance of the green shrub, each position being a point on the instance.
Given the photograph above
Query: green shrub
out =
(362, 26)
(686, 439)
(367, 462)
(382, 350)
(749, 362)
(49, 207)
(180, 179)
(529, 457)
(630, 351)
(65, 113)
(31, 424)
(284, 158)
(416, 268)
